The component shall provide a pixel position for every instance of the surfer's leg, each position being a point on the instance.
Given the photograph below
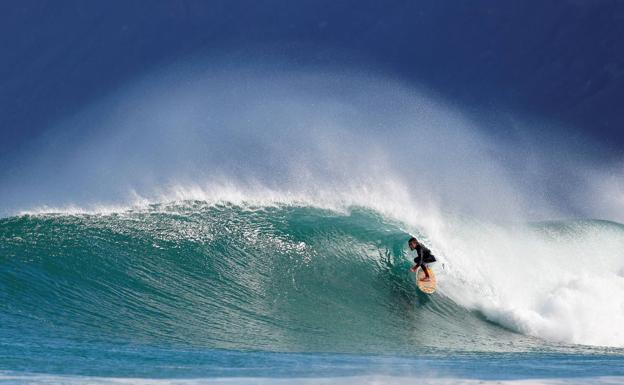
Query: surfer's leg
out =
(425, 270)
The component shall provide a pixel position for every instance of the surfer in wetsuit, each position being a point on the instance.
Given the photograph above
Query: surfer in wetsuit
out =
(423, 256)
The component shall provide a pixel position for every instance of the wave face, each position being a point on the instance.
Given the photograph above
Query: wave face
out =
(279, 278)
(274, 277)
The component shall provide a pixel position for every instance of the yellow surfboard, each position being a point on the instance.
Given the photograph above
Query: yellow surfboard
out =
(426, 287)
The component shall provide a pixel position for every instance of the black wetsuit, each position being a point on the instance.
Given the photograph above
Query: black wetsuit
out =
(424, 255)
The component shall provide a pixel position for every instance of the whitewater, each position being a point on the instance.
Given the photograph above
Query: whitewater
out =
(250, 226)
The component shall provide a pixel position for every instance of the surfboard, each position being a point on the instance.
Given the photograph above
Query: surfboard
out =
(426, 287)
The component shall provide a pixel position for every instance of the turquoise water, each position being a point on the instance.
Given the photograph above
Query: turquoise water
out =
(197, 290)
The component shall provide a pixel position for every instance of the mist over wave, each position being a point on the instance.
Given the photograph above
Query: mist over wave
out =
(316, 131)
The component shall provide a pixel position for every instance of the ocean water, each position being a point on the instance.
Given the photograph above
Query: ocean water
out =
(193, 291)
(222, 192)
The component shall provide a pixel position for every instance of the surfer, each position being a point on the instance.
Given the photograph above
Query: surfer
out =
(423, 256)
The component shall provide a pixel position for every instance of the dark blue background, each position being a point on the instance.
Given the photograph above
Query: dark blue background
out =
(562, 61)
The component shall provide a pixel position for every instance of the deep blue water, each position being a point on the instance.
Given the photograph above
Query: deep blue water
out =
(102, 360)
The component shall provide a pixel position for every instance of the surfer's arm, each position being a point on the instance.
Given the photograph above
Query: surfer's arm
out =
(418, 260)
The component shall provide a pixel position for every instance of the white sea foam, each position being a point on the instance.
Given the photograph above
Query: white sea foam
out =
(43, 379)
(558, 284)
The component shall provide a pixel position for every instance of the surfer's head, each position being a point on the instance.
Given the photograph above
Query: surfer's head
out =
(412, 243)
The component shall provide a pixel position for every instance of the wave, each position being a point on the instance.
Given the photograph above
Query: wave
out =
(298, 277)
